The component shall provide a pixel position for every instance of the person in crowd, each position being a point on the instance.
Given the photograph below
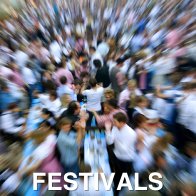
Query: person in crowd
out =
(77, 88)
(51, 102)
(105, 52)
(48, 83)
(102, 73)
(6, 97)
(117, 78)
(63, 71)
(94, 96)
(137, 104)
(9, 119)
(68, 144)
(65, 100)
(110, 108)
(73, 111)
(48, 116)
(65, 89)
(131, 91)
(109, 94)
(124, 139)
(17, 77)
(21, 57)
(30, 80)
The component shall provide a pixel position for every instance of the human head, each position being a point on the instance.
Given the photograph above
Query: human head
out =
(73, 108)
(77, 84)
(131, 85)
(65, 100)
(141, 101)
(109, 94)
(65, 124)
(93, 82)
(139, 121)
(92, 50)
(13, 107)
(46, 114)
(120, 120)
(97, 63)
(112, 104)
(85, 76)
(47, 75)
(53, 95)
(63, 80)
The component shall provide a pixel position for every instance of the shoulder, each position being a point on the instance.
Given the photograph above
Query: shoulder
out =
(130, 130)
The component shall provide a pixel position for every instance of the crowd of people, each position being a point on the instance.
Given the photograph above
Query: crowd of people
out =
(125, 67)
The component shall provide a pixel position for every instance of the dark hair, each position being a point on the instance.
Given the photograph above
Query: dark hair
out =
(12, 106)
(92, 48)
(84, 74)
(138, 119)
(47, 112)
(53, 93)
(158, 154)
(77, 82)
(140, 99)
(63, 80)
(93, 82)
(120, 117)
(119, 60)
(45, 123)
(72, 107)
(97, 63)
(85, 167)
(113, 103)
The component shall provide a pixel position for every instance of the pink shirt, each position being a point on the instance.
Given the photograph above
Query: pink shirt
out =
(18, 79)
(102, 119)
(173, 38)
(63, 72)
(125, 96)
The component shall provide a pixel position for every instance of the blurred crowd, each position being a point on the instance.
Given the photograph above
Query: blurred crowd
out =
(125, 67)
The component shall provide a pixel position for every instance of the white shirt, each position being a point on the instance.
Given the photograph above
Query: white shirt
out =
(45, 148)
(55, 51)
(191, 112)
(15, 90)
(21, 58)
(7, 123)
(53, 106)
(91, 191)
(124, 142)
(185, 108)
(94, 98)
(28, 76)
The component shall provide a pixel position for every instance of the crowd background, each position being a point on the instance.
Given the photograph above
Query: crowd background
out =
(125, 66)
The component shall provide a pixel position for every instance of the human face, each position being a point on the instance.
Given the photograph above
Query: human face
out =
(108, 96)
(106, 108)
(118, 124)
(143, 104)
(66, 127)
(131, 86)
(44, 116)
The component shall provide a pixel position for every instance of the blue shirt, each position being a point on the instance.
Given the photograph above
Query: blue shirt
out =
(68, 147)
(6, 99)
